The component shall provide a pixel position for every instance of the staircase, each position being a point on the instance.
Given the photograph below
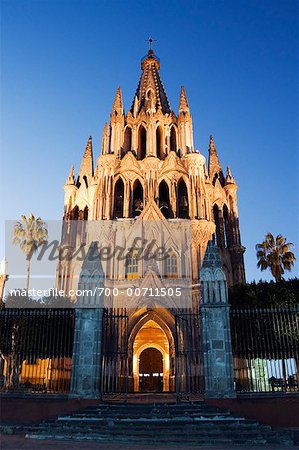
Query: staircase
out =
(179, 424)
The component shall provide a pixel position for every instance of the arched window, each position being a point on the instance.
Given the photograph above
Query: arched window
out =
(128, 139)
(131, 269)
(171, 265)
(182, 200)
(217, 235)
(226, 226)
(159, 143)
(141, 154)
(137, 204)
(173, 144)
(164, 202)
(118, 199)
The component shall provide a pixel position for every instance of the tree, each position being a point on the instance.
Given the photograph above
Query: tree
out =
(29, 234)
(275, 254)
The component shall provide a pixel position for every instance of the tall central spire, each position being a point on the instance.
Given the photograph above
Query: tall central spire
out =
(150, 93)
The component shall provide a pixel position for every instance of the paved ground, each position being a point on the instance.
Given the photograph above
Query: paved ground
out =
(20, 443)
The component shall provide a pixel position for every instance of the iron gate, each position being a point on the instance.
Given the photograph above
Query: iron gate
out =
(189, 357)
(115, 376)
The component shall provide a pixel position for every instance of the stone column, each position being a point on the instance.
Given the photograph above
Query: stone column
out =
(87, 349)
(218, 360)
(217, 350)
(86, 365)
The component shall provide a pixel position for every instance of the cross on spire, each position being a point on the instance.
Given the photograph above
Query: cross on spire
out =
(151, 40)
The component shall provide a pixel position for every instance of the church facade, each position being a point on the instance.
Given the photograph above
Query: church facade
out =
(150, 177)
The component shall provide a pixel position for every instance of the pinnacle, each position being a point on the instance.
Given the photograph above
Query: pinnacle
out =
(229, 178)
(71, 177)
(118, 102)
(184, 105)
(214, 163)
(88, 149)
(86, 169)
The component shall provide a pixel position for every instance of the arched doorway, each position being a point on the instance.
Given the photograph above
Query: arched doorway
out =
(151, 370)
(151, 360)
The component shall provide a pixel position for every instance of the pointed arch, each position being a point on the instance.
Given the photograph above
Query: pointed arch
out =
(182, 200)
(160, 142)
(141, 153)
(164, 199)
(138, 201)
(226, 225)
(173, 139)
(128, 139)
(119, 189)
(216, 235)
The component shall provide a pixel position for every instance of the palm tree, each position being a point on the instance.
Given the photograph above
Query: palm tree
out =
(275, 254)
(29, 234)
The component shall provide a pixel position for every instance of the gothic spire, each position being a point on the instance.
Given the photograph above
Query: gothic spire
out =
(215, 170)
(118, 103)
(150, 91)
(184, 105)
(86, 169)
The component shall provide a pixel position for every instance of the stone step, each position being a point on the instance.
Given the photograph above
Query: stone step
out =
(149, 416)
(160, 424)
(178, 434)
(166, 427)
(175, 439)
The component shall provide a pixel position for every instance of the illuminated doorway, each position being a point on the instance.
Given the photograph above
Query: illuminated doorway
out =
(151, 359)
(151, 370)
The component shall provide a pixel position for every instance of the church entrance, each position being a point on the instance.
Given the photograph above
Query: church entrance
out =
(151, 359)
(151, 371)
(152, 353)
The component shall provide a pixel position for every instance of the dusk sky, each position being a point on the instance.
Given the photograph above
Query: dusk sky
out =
(62, 62)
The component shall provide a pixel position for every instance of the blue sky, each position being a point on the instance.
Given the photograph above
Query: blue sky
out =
(63, 60)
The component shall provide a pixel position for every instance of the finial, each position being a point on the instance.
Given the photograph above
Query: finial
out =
(151, 40)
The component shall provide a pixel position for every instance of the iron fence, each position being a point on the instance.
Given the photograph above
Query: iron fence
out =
(189, 357)
(265, 344)
(36, 350)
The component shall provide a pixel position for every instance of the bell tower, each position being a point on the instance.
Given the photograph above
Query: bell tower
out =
(148, 161)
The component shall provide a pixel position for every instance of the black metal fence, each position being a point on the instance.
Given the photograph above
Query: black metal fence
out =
(36, 350)
(115, 374)
(189, 357)
(265, 345)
